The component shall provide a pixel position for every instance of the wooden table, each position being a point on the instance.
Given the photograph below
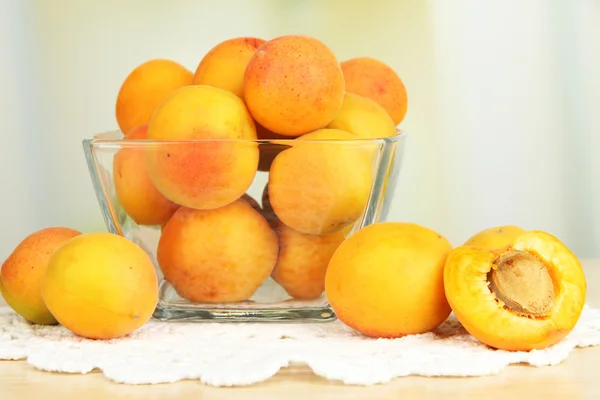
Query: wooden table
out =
(577, 378)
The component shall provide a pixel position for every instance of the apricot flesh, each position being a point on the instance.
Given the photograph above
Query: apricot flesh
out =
(376, 80)
(495, 237)
(100, 286)
(224, 65)
(136, 193)
(363, 117)
(214, 170)
(386, 280)
(22, 273)
(322, 183)
(528, 295)
(219, 255)
(149, 84)
(293, 85)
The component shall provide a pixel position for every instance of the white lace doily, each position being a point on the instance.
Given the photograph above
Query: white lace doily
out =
(226, 354)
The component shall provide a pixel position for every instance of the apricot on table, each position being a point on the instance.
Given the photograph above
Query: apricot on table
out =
(495, 237)
(363, 117)
(100, 286)
(376, 80)
(386, 280)
(224, 65)
(212, 171)
(219, 255)
(22, 273)
(528, 295)
(149, 84)
(293, 85)
(322, 183)
(137, 194)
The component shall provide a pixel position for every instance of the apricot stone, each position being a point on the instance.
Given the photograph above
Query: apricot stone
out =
(386, 280)
(376, 80)
(22, 273)
(322, 183)
(100, 286)
(224, 65)
(528, 295)
(495, 237)
(137, 194)
(293, 85)
(148, 85)
(213, 170)
(363, 117)
(219, 255)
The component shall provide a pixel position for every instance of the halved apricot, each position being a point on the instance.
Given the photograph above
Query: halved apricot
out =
(527, 295)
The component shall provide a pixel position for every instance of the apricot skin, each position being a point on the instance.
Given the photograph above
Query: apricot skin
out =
(101, 286)
(209, 173)
(220, 255)
(386, 280)
(224, 65)
(363, 117)
(145, 88)
(486, 318)
(293, 85)
(22, 273)
(137, 194)
(495, 237)
(374, 79)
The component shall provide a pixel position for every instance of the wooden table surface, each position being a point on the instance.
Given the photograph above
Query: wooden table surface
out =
(576, 378)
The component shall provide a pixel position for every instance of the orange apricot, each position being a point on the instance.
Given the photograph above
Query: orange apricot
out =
(224, 65)
(376, 80)
(495, 237)
(22, 273)
(386, 280)
(212, 170)
(528, 295)
(137, 194)
(219, 255)
(293, 85)
(363, 117)
(148, 85)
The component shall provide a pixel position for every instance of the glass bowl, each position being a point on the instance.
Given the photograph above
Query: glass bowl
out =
(214, 258)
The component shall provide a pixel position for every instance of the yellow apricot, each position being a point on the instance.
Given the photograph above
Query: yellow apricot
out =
(363, 117)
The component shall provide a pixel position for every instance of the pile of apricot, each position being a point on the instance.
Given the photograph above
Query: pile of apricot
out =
(217, 243)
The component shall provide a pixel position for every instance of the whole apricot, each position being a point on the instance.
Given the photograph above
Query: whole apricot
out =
(224, 65)
(22, 272)
(376, 80)
(137, 194)
(386, 280)
(100, 286)
(212, 170)
(219, 255)
(293, 85)
(528, 295)
(363, 117)
(322, 183)
(495, 237)
(148, 85)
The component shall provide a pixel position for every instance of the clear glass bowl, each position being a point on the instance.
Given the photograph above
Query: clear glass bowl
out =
(337, 203)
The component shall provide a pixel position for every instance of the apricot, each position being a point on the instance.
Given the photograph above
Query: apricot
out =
(100, 286)
(303, 260)
(293, 85)
(495, 237)
(386, 280)
(22, 272)
(322, 183)
(213, 170)
(528, 295)
(363, 117)
(137, 194)
(219, 255)
(148, 85)
(376, 80)
(224, 65)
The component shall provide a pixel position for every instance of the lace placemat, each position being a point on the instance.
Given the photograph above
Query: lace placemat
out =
(227, 354)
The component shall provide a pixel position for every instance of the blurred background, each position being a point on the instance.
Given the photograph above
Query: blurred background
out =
(503, 116)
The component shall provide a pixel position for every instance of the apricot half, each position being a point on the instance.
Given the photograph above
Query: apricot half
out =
(495, 237)
(386, 280)
(528, 295)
